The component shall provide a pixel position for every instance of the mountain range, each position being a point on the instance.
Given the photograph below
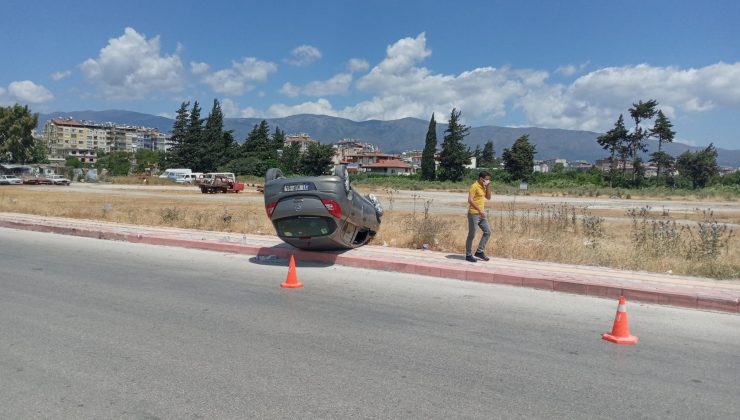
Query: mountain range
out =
(396, 136)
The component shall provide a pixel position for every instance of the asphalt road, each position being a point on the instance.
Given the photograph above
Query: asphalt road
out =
(102, 329)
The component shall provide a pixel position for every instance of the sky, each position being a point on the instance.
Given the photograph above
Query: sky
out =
(554, 64)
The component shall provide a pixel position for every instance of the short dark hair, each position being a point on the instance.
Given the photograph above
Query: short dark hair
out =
(484, 174)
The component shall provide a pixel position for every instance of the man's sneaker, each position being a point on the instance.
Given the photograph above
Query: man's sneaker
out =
(470, 258)
(481, 256)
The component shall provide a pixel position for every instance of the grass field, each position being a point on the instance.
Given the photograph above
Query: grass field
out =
(641, 240)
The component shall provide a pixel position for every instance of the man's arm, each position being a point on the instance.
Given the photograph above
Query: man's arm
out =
(488, 192)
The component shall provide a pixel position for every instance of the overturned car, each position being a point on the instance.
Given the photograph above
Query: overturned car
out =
(320, 212)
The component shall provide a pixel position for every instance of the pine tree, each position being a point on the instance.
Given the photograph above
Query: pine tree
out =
(175, 156)
(317, 160)
(260, 150)
(212, 146)
(612, 141)
(428, 165)
(487, 156)
(455, 155)
(519, 160)
(16, 139)
(663, 131)
(639, 112)
(698, 167)
(290, 160)
(278, 139)
(191, 145)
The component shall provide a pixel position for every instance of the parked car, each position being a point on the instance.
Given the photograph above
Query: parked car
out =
(174, 173)
(37, 180)
(222, 182)
(189, 178)
(59, 180)
(10, 180)
(320, 212)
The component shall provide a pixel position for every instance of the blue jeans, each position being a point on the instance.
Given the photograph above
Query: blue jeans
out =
(475, 220)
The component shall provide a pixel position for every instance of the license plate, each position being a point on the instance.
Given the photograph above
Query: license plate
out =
(296, 187)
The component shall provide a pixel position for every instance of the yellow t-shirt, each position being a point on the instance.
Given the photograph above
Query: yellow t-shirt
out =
(479, 196)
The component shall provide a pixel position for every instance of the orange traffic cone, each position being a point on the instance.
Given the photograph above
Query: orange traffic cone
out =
(291, 281)
(621, 330)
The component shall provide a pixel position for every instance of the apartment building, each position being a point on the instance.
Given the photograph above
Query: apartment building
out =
(66, 137)
(303, 139)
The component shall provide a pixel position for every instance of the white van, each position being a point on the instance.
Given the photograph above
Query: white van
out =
(173, 173)
(189, 178)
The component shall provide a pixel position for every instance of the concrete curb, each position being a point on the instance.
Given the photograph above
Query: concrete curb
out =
(698, 296)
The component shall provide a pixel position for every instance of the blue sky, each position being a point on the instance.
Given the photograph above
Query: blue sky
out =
(557, 64)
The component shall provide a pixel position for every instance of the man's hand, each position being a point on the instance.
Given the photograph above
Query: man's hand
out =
(482, 213)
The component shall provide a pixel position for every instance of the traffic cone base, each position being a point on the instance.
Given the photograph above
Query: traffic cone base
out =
(621, 331)
(620, 340)
(291, 282)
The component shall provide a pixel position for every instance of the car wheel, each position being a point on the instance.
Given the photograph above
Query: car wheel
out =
(341, 172)
(273, 173)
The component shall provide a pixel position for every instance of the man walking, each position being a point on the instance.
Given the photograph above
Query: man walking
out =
(479, 192)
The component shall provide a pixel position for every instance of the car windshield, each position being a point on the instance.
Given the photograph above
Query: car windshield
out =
(302, 226)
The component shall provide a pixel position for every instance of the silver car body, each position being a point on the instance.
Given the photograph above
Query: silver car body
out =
(320, 212)
(10, 180)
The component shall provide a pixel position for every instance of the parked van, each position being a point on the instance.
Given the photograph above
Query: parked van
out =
(189, 178)
(173, 173)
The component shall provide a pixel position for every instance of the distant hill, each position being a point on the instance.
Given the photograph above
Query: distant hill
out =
(400, 135)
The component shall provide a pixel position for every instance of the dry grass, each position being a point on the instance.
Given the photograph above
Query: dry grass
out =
(556, 233)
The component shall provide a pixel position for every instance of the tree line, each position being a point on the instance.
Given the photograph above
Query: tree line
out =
(625, 145)
(688, 170)
(203, 145)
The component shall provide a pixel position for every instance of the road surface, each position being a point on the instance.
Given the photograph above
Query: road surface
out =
(103, 329)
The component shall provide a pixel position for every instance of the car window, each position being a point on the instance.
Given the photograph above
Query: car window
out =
(296, 227)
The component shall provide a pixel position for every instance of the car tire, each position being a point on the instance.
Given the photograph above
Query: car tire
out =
(341, 172)
(273, 173)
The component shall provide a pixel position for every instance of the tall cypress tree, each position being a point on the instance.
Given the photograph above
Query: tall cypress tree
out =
(428, 166)
(455, 155)
(487, 156)
(191, 145)
(179, 133)
(213, 140)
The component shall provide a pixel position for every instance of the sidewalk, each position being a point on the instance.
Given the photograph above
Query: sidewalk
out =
(684, 291)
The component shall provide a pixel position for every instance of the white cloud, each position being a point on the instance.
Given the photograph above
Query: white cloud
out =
(238, 79)
(131, 66)
(321, 107)
(59, 75)
(199, 67)
(231, 110)
(568, 70)
(338, 85)
(303, 55)
(30, 93)
(571, 69)
(357, 65)
(290, 90)
(402, 88)
(595, 100)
